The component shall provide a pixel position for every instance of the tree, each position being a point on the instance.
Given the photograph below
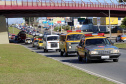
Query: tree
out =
(123, 25)
(122, 0)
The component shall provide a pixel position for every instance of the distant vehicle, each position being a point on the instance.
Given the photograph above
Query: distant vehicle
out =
(121, 38)
(21, 36)
(51, 42)
(40, 44)
(35, 42)
(28, 41)
(11, 36)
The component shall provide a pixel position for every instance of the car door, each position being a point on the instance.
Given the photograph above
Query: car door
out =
(82, 49)
(79, 47)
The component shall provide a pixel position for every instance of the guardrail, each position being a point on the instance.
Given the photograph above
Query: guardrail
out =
(59, 3)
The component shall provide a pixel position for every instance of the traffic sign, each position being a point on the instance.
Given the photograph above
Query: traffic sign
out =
(44, 22)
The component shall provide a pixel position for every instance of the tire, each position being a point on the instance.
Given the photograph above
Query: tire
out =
(115, 60)
(80, 58)
(87, 60)
(57, 50)
(44, 50)
(61, 53)
(66, 54)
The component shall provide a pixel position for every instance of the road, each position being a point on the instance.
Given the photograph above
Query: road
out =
(109, 69)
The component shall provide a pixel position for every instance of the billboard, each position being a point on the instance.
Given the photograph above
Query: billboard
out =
(113, 20)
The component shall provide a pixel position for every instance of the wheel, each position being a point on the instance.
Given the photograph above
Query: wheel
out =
(38, 47)
(80, 58)
(44, 50)
(61, 53)
(57, 50)
(87, 60)
(115, 60)
(66, 54)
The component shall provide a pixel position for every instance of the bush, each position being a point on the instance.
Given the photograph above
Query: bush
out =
(63, 27)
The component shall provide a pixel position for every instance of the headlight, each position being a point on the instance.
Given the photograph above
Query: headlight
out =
(70, 47)
(93, 52)
(115, 51)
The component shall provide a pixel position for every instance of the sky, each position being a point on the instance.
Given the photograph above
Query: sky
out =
(20, 20)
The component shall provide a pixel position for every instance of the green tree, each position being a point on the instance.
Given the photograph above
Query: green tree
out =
(123, 25)
(122, 0)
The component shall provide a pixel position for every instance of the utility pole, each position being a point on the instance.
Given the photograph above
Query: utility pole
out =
(51, 25)
(29, 21)
(109, 25)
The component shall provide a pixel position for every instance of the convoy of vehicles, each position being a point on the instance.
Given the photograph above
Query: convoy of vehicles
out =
(51, 42)
(97, 48)
(68, 42)
(87, 46)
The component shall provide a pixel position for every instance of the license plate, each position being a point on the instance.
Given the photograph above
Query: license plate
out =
(104, 57)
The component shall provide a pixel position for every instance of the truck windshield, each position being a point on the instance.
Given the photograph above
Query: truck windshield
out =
(74, 37)
(51, 38)
(99, 41)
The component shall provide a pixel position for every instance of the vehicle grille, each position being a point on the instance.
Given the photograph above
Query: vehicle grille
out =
(75, 43)
(105, 52)
(53, 45)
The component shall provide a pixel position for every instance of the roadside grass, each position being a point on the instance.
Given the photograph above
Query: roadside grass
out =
(19, 65)
(16, 31)
(123, 45)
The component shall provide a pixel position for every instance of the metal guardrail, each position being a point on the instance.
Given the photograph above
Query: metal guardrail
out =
(61, 3)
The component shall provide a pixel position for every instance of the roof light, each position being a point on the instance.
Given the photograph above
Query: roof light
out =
(73, 31)
(88, 35)
(69, 30)
(95, 34)
(78, 30)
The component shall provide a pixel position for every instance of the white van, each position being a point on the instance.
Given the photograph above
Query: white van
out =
(51, 42)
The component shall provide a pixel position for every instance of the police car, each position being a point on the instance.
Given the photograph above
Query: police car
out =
(97, 47)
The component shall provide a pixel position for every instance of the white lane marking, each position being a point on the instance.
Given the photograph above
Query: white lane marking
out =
(89, 72)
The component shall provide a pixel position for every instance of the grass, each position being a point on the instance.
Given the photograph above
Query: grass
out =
(16, 31)
(123, 45)
(19, 65)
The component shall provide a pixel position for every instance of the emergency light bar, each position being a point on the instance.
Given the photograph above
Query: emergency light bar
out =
(95, 34)
(73, 31)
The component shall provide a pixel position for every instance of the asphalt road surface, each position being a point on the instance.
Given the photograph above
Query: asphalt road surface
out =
(109, 69)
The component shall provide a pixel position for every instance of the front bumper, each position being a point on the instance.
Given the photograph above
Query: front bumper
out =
(99, 57)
